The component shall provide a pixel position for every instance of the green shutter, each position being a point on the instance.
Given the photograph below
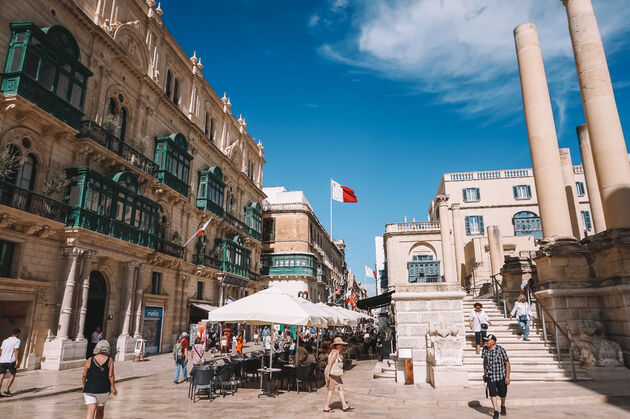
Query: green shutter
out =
(529, 191)
(481, 229)
(467, 225)
(515, 191)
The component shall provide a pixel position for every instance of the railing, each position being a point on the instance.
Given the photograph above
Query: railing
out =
(169, 248)
(232, 220)
(206, 260)
(542, 310)
(578, 170)
(488, 174)
(227, 266)
(498, 293)
(254, 276)
(171, 180)
(98, 134)
(28, 201)
(420, 226)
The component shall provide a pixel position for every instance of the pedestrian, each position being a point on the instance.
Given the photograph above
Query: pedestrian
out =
(180, 355)
(373, 341)
(366, 343)
(197, 352)
(239, 344)
(333, 373)
(9, 359)
(96, 335)
(496, 372)
(479, 323)
(267, 341)
(256, 336)
(98, 380)
(523, 314)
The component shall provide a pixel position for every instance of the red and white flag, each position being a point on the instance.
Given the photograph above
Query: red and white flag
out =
(199, 232)
(342, 193)
(370, 272)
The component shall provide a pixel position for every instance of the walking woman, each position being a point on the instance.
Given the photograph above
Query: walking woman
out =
(479, 322)
(98, 380)
(333, 373)
(523, 314)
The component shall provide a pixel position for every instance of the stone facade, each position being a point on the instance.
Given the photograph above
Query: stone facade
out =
(298, 254)
(139, 118)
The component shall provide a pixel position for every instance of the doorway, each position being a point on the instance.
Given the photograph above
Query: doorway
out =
(97, 296)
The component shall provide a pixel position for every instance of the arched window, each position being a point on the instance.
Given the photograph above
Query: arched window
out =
(44, 66)
(169, 80)
(27, 174)
(527, 224)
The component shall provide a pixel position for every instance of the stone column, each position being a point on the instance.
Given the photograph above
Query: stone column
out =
(66, 304)
(495, 244)
(85, 289)
(570, 192)
(130, 270)
(139, 293)
(445, 234)
(458, 237)
(541, 131)
(592, 185)
(221, 294)
(600, 110)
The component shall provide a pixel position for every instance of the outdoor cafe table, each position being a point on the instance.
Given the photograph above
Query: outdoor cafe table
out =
(269, 372)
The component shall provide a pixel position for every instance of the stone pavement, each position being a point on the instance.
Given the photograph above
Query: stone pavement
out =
(148, 391)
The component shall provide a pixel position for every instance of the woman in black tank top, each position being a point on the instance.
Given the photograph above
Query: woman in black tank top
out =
(98, 380)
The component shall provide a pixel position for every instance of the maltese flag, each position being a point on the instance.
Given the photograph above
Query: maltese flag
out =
(342, 193)
(369, 272)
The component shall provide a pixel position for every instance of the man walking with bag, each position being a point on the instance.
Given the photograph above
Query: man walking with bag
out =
(496, 372)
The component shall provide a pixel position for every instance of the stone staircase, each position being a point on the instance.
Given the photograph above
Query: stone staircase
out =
(386, 369)
(535, 360)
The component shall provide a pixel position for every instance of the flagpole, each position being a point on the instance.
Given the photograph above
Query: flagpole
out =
(331, 221)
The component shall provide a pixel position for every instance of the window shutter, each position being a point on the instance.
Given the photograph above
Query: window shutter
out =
(477, 194)
(481, 229)
(515, 191)
(464, 195)
(529, 191)
(467, 225)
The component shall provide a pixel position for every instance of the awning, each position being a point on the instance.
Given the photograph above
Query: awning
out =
(381, 300)
(205, 307)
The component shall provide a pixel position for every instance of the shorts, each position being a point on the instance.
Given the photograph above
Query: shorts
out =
(8, 366)
(497, 388)
(334, 382)
(98, 398)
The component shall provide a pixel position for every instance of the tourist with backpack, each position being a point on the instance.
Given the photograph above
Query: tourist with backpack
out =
(180, 355)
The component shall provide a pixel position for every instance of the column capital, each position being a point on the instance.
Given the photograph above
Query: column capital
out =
(131, 264)
(89, 254)
(442, 200)
(75, 252)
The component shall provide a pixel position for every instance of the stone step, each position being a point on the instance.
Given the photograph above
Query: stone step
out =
(522, 352)
(476, 377)
(531, 345)
(534, 361)
(390, 375)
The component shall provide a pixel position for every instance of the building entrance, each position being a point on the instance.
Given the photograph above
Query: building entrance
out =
(97, 296)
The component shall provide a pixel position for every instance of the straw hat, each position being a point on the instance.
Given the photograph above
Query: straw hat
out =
(338, 341)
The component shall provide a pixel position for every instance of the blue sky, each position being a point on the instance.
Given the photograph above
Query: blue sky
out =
(385, 96)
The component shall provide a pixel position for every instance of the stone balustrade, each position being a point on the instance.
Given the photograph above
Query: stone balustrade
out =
(419, 226)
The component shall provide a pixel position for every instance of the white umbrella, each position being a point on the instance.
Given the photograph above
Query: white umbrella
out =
(349, 319)
(336, 319)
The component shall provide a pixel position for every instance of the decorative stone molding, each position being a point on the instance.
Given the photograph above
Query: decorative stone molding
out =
(444, 346)
(589, 345)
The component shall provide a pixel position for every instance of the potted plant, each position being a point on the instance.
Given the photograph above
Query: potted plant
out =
(111, 124)
(176, 238)
(55, 183)
(9, 163)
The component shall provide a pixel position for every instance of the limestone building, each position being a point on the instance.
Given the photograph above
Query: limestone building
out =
(124, 151)
(297, 253)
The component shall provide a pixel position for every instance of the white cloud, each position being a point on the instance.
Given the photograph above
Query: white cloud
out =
(463, 50)
(313, 21)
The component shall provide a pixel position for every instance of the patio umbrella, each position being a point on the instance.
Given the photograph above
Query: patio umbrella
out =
(335, 319)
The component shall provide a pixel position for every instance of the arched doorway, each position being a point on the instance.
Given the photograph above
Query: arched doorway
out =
(97, 296)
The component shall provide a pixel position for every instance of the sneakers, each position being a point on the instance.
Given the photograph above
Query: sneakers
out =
(7, 393)
(503, 412)
(526, 339)
(496, 415)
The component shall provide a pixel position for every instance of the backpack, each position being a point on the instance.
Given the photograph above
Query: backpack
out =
(178, 351)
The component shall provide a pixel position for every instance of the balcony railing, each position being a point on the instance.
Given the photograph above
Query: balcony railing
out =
(206, 260)
(488, 174)
(98, 134)
(169, 248)
(254, 276)
(170, 180)
(227, 266)
(422, 226)
(28, 201)
(232, 220)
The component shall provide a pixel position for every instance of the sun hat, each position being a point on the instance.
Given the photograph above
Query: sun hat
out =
(338, 341)
(102, 347)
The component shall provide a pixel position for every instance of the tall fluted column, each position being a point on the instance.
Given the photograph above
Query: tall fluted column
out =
(495, 245)
(592, 185)
(458, 238)
(130, 270)
(570, 192)
(139, 293)
(445, 234)
(66, 304)
(541, 131)
(85, 289)
(600, 110)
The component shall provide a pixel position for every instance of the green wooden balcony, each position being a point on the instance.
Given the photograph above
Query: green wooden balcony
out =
(28, 201)
(98, 134)
(240, 225)
(206, 260)
(170, 180)
(289, 264)
(231, 267)
(169, 248)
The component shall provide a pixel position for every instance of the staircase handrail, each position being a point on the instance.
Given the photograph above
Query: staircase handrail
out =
(557, 328)
(499, 293)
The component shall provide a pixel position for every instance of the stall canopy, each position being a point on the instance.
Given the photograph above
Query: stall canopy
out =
(269, 307)
(205, 307)
(381, 300)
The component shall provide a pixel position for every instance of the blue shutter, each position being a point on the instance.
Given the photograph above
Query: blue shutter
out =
(467, 225)
(481, 229)
(515, 191)
(529, 191)
(464, 195)
(477, 194)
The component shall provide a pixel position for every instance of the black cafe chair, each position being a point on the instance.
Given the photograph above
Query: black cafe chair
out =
(201, 379)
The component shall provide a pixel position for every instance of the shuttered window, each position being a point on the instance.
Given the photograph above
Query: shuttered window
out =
(474, 224)
(471, 194)
(522, 191)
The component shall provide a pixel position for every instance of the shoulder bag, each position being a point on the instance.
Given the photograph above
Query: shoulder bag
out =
(484, 326)
(337, 367)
